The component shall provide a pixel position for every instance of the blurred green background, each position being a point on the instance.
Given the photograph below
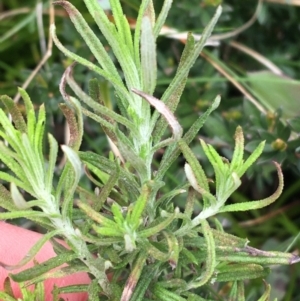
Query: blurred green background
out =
(255, 72)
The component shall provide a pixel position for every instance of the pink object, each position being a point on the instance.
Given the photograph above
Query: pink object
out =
(15, 242)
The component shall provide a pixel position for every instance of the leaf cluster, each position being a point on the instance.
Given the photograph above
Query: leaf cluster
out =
(152, 249)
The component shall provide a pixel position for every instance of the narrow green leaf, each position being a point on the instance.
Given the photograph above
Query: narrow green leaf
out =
(98, 217)
(33, 166)
(90, 38)
(238, 154)
(66, 289)
(15, 113)
(167, 197)
(173, 245)
(94, 87)
(233, 293)
(226, 239)
(75, 162)
(44, 267)
(266, 295)
(137, 33)
(218, 226)
(251, 159)
(99, 119)
(211, 257)
(97, 107)
(128, 35)
(173, 100)
(134, 217)
(122, 25)
(166, 295)
(242, 272)
(214, 158)
(36, 203)
(94, 91)
(94, 290)
(120, 49)
(18, 26)
(156, 253)
(11, 160)
(63, 272)
(107, 75)
(11, 135)
(134, 277)
(157, 228)
(95, 102)
(226, 182)
(148, 57)
(245, 206)
(22, 214)
(175, 283)
(17, 197)
(40, 291)
(189, 256)
(95, 11)
(293, 242)
(146, 277)
(194, 297)
(255, 256)
(106, 231)
(8, 178)
(33, 250)
(162, 17)
(130, 155)
(208, 198)
(6, 200)
(102, 176)
(93, 160)
(117, 213)
(62, 183)
(30, 113)
(197, 172)
(186, 66)
(113, 255)
(241, 291)
(38, 138)
(51, 164)
(127, 258)
(173, 151)
(197, 125)
(107, 188)
(6, 297)
(58, 248)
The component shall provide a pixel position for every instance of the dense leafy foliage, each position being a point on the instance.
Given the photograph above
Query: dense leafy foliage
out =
(144, 217)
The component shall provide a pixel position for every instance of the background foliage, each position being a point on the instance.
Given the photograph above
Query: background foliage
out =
(273, 36)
